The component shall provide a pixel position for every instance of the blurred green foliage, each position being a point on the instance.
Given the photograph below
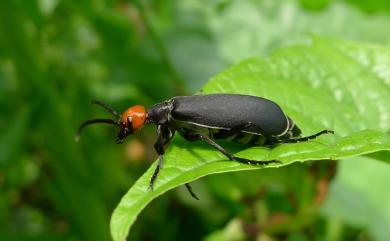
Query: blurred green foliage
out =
(56, 56)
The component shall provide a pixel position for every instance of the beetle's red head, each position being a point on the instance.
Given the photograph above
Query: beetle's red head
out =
(130, 121)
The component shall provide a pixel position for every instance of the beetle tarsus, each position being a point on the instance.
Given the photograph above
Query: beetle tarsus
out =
(308, 138)
(189, 188)
(254, 162)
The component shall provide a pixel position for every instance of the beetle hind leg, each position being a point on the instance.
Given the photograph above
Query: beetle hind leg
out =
(308, 138)
(254, 162)
(216, 146)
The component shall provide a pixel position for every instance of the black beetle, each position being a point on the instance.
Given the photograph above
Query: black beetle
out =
(240, 118)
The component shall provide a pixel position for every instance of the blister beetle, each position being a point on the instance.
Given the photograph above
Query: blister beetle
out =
(239, 118)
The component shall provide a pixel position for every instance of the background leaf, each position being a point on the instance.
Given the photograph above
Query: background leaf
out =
(358, 196)
(216, 36)
(329, 84)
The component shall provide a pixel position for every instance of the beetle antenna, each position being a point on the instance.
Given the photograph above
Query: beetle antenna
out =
(107, 107)
(93, 121)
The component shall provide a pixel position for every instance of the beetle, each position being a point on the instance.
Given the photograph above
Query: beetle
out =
(239, 118)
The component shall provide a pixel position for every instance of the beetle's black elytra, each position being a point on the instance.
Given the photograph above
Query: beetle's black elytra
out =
(239, 118)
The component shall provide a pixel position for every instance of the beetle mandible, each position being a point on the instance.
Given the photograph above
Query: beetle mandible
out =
(239, 118)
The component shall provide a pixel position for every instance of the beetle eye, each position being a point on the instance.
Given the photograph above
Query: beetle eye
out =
(130, 128)
(129, 122)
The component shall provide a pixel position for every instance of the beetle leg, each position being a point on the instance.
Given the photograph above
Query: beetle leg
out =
(160, 163)
(230, 132)
(307, 138)
(212, 143)
(164, 135)
(189, 188)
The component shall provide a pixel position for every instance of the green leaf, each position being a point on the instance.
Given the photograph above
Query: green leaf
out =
(332, 84)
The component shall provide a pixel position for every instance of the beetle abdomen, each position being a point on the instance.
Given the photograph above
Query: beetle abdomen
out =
(231, 110)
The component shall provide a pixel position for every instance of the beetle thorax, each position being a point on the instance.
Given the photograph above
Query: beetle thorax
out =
(159, 113)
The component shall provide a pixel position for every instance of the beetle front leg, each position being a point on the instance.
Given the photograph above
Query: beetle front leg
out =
(215, 145)
(164, 135)
(160, 163)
